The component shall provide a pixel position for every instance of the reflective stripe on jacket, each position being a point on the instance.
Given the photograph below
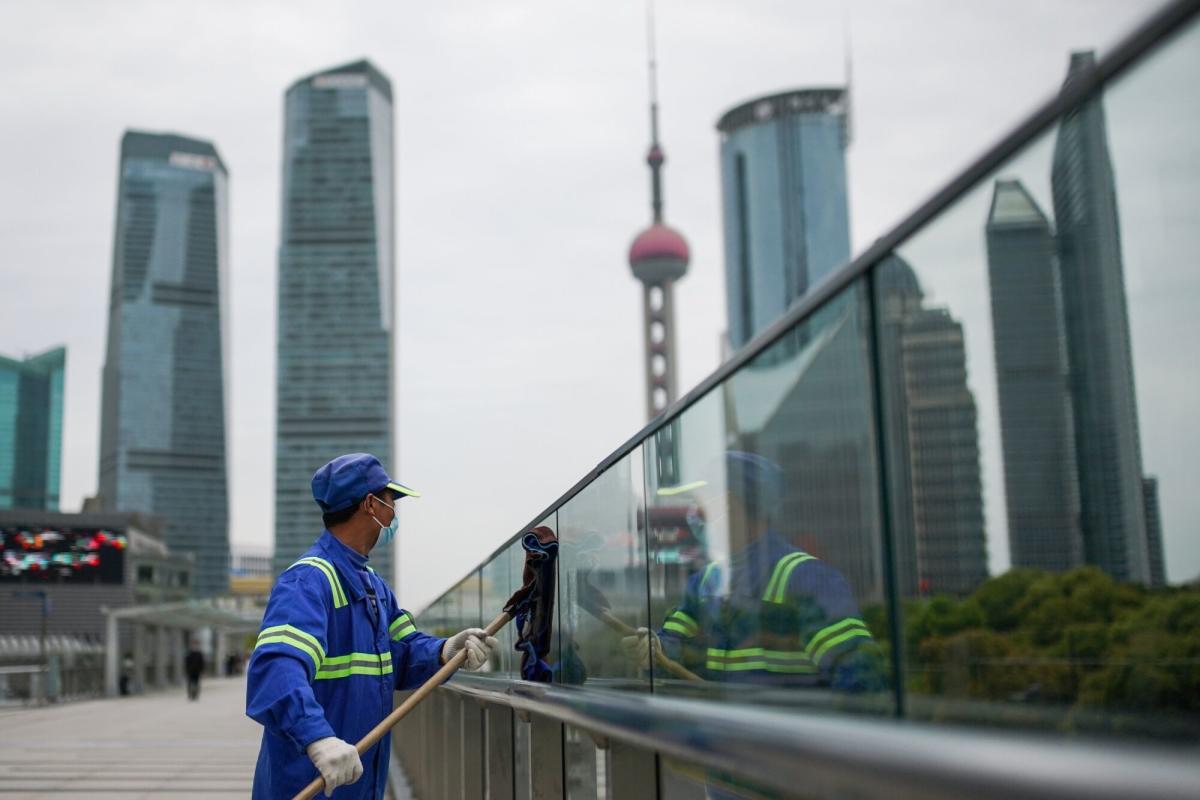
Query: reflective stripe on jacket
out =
(783, 616)
(333, 647)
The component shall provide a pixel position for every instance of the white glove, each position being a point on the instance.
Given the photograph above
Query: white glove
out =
(336, 760)
(478, 646)
(637, 647)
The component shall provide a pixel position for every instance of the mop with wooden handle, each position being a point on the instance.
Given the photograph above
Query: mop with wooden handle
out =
(541, 549)
(593, 601)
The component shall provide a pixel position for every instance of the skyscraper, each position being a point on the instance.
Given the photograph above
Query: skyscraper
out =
(933, 445)
(1041, 486)
(1108, 451)
(162, 432)
(31, 403)
(1158, 568)
(944, 439)
(336, 279)
(784, 201)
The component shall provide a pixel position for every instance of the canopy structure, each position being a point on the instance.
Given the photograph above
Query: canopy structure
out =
(152, 629)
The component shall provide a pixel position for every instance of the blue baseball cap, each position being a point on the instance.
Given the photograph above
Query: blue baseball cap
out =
(348, 479)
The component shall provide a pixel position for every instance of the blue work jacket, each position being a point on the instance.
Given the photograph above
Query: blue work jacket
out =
(776, 615)
(333, 647)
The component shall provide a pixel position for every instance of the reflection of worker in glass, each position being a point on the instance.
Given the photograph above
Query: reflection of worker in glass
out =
(772, 613)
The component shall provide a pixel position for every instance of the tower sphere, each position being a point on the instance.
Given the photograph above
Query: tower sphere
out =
(659, 254)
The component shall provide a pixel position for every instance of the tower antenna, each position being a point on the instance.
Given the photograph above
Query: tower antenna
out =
(655, 157)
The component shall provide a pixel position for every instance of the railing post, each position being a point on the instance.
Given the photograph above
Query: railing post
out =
(546, 758)
(498, 723)
(472, 749)
(632, 772)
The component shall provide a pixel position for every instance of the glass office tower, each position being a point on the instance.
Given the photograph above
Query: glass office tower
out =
(162, 430)
(336, 272)
(1036, 431)
(936, 493)
(31, 405)
(783, 188)
(1108, 450)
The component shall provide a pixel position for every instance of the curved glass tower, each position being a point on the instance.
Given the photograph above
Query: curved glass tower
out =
(336, 269)
(783, 187)
(162, 431)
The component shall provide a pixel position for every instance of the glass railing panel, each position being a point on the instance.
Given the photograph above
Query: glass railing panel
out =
(602, 574)
(497, 583)
(470, 614)
(1038, 399)
(767, 574)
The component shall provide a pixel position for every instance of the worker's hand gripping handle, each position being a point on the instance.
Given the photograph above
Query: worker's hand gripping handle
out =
(402, 710)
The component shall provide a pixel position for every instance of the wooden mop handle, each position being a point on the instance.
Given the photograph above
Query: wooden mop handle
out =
(402, 710)
(660, 658)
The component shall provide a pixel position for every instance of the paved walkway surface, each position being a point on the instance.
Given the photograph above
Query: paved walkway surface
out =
(153, 746)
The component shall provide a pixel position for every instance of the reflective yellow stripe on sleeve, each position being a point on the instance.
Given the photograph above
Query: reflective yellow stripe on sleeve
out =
(402, 626)
(680, 622)
(294, 637)
(776, 591)
(335, 585)
(832, 635)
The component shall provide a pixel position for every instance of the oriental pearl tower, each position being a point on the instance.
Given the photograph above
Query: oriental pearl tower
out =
(658, 257)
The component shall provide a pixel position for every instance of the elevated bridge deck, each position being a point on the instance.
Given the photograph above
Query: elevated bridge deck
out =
(157, 745)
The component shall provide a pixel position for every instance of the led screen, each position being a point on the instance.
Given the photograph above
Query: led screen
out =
(61, 555)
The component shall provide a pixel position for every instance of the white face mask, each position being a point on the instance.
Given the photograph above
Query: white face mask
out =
(387, 532)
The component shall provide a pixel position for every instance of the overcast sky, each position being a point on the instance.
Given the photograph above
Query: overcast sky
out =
(521, 131)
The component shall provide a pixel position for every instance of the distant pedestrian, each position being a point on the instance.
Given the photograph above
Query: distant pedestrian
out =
(194, 666)
(126, 675)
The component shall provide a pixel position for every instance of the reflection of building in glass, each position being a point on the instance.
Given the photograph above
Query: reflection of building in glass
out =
(31, 398)
(162, 433)
(937, 520)
(336, 270)
(1108, 452)
(783, 185)
(809, 411)
(1031, 375)
(1158, 574)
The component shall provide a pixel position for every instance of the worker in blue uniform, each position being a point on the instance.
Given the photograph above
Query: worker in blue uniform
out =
(335, 644)
(770, 613)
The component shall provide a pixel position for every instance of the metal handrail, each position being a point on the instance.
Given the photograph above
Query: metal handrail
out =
(1153, 32)
(819, 754)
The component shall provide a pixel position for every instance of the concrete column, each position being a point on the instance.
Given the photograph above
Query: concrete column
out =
(178, 639)
(141, 651)
(160, 657)
(220, 650)
(112, 654)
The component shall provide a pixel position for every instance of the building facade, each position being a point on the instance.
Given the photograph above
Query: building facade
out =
(1096, 317)
(784, 202)
(162, 433)
(1158, 567)
(31, 408)
(935, 487)
(336, 279)
(1036, 429)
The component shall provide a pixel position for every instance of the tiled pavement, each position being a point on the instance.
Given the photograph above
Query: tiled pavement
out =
(157, 745)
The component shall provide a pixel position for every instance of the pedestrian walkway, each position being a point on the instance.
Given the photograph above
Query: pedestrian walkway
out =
(157, 745)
